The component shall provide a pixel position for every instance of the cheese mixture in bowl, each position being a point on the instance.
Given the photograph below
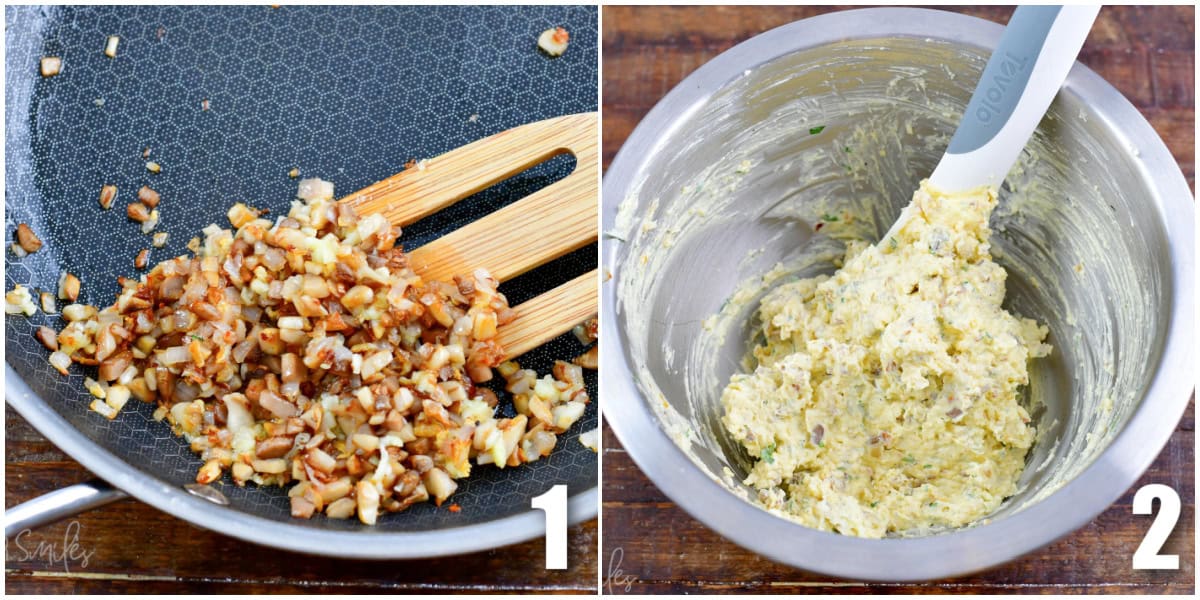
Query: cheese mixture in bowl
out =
(763, 168)
(885, 398)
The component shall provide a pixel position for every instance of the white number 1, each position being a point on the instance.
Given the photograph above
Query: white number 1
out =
(1147, 555)
(554, 504)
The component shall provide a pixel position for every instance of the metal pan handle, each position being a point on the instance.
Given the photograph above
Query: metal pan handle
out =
(58, 505)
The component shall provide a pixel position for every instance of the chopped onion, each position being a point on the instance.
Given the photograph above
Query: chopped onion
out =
(315, 189)
(60, 361)
(174, 355)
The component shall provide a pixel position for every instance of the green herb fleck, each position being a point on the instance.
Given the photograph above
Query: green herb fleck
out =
(874, 504)
(816, 130)
(830, 218)
(933, 504)
(928, 466)
(893, 243)
(768, 454)
(847, 149)
(196, 337)
(909, 459)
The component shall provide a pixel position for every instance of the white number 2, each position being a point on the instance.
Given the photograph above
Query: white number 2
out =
(1147, 555)
(554, 504)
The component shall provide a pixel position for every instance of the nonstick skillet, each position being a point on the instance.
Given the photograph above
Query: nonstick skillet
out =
(228, 100)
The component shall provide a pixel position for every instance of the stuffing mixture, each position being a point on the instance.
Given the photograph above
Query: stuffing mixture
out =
(885, 397)
(306, 352)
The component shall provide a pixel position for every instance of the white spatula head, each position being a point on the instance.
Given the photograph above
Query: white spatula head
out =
(1021, 78)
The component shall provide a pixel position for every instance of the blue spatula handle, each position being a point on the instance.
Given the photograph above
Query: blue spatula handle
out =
(1020, 80)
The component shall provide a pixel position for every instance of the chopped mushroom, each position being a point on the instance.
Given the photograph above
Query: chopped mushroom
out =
(110, 47)
(273, 447)
(27, 239)
(818, 435)
(587, 332)
(47, 337)
(138, 212)
(148, 196)
(153, 167)
(51, 66)
(210, 472)
(48, 305)
(108, 193)
(68, 287)
(302, 507)
(589, 359)
(305, 351)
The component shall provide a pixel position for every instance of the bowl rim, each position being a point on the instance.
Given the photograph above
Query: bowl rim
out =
(902, 559)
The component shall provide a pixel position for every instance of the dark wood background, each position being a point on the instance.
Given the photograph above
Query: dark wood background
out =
(132, 548)
(1147, 53)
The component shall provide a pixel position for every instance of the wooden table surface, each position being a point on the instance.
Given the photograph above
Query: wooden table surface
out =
(129, 547)
(1147, 53)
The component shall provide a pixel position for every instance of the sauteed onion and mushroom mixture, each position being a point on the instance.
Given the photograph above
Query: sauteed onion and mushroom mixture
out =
(306, 351)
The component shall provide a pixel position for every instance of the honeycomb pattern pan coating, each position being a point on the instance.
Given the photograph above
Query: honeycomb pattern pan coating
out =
(228, 100)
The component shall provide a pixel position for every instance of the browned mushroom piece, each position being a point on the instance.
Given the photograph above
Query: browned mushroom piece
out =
(108, 193)
(138, 212)
(47, 337)
(68, 287)
(51, 66)
(27, 239)
(302, 508)
(818, 435)
(273, 447)
(589, 359)
(148, 196)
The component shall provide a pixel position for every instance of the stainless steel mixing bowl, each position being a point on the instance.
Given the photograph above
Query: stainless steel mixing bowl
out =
(726, 178)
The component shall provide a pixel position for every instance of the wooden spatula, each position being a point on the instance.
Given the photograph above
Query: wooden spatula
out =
(532, 231)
